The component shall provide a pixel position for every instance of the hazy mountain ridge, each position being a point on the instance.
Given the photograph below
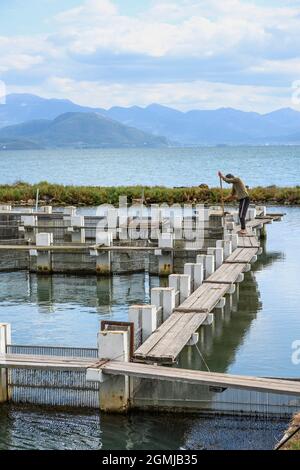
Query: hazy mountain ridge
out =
(80, 130)
(220, 126)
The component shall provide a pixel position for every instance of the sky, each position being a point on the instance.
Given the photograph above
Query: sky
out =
(185, 54)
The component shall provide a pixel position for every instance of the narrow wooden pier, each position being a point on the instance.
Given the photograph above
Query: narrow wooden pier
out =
(241, 382)
(166, 343)
(101, 370)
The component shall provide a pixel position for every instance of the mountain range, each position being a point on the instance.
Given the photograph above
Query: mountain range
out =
(77, 130)
(196, 127)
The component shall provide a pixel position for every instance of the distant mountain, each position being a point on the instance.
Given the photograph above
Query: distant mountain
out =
(197, 127)
(220, 126)
(80, 130)
(25, 107)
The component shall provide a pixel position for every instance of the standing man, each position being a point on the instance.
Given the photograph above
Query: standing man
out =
(239, 192)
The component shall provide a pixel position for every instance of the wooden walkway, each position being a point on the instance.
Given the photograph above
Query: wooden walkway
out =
(166, 343)
(153, 372)
(204, 299)
(169, 339)
(242, 255)
(248, 242)
(27, 361)
(228, 273)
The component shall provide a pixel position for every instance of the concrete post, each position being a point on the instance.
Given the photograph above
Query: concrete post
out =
(77, 229)
(218, 254)
(251, 214)
(227, 247)
(135, 317)
(70, 210)
(5, 207)
(234, 238)
(165, 262)
(44, 258)
(114, 390)
(29, 227)
(181, 283)
(209, 265)
(149, 321)
(46, 209)
(103, 258)
(144, 318)
(163, 297)
(174, 281)
(5, 339)
(195, 271)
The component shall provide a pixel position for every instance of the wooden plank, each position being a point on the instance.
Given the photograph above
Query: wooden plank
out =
(156, 336)
(226, 274)
(24, 361)
(176, 337)
(204, 299)
(242, 255)
(202, 378)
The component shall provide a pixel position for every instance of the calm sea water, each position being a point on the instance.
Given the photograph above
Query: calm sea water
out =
(278, 165)
(256, 339)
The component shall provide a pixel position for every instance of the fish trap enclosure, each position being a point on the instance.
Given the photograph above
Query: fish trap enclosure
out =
(53, 387)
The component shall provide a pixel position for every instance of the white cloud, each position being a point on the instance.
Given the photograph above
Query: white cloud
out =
(239, 40)
(90, 10)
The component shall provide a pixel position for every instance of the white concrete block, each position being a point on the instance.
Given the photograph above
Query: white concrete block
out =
(44, 239)
(77, 221)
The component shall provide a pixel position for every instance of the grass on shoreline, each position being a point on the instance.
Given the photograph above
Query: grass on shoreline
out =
(55, 194)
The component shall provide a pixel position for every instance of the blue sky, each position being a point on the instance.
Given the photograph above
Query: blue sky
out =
(186, 53)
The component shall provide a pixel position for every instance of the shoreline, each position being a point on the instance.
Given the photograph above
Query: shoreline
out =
(24, 194)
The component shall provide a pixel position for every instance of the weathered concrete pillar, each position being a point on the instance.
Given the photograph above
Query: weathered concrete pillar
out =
(5, 339)
(218, 253)
(144, 318)
(163, 297)
(208, 262)
(77, 229)
(29, 227)
(195, 271)
(135, 317)
(46, 209)
(103, 258)
(234, 238)
(165, 253)
(44, 258)
(251, 213)
(114, 390)
(227, 247)
(5, 207)
(209, 265)
(70, 210)
(181, 283)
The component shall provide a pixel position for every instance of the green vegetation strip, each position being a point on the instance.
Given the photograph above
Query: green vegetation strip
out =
(54, 194)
